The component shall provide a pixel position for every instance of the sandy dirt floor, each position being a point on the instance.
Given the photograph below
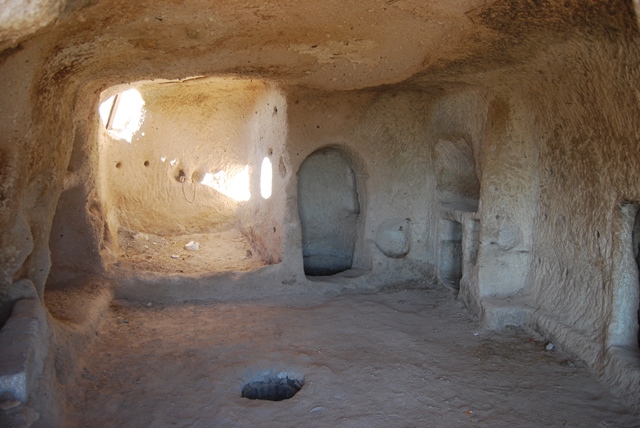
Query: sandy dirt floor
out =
(217, 252)
(399, 358)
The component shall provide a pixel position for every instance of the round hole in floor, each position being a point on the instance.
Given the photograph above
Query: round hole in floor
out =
(273, 387)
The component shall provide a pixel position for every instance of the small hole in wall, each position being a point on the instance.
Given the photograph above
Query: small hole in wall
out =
(146, 163)
(274, 230)
(118, 165)
(270, 151)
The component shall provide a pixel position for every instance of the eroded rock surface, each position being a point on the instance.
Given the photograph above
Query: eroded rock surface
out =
(516, 120)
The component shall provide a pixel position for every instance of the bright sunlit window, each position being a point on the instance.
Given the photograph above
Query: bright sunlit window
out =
(266, 178)
(123, 114)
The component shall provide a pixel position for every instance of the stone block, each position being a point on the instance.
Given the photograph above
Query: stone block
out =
(23, 348)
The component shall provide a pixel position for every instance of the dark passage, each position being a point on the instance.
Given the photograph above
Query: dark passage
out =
(328, 207)
(450, 266)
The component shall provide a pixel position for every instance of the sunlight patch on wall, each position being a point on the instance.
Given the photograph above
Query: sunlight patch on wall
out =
(234, 184)
(123, 114)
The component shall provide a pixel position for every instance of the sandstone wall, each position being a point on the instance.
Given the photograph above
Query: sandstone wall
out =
(541, 101)
(192, 128)
(260, 219)
(385, 134)
(587, 118)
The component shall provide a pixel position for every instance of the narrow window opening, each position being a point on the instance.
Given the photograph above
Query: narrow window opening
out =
(266, 178)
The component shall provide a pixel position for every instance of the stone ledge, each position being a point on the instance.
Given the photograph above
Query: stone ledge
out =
(618, 367)
(500, 312)
(18, 417)
(622, 373)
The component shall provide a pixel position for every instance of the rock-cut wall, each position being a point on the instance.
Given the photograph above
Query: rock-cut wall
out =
(588, 120)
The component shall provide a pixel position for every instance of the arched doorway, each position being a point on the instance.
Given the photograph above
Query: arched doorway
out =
(636, 255)
(328, 207)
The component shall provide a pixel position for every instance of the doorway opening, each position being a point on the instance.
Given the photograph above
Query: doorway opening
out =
(450, 266)
(624, 326)
(635, 239)
(329, 209)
